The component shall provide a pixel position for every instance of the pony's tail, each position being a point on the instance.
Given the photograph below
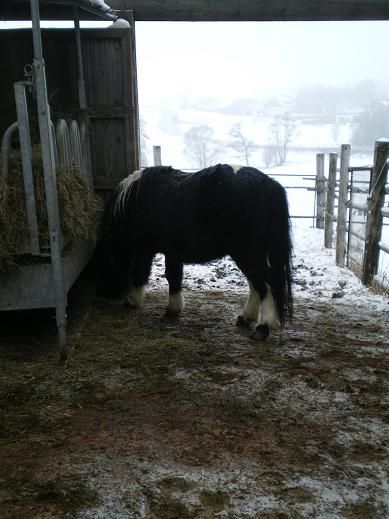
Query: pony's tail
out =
(280, 254)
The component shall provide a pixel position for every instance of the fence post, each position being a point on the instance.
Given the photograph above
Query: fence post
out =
(157, 155)
(374, 216)
(329, 217)
(320, 190)
(342, 205)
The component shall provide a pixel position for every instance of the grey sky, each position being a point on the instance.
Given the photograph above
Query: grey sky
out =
(248, 59)
(228, 60)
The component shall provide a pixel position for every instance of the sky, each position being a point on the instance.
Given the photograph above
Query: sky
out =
(227, 60)
(250, 59)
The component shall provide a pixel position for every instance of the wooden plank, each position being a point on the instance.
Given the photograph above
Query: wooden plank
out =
(157, 155)
(320, 190)
(108, 150)
(111, 87)
(130, 98)
(374, 218)
(218, 10)
(111, 112)
(342, 206)
(129, 16)
(61, 71)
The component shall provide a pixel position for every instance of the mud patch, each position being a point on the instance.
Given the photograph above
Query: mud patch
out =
(153, 418)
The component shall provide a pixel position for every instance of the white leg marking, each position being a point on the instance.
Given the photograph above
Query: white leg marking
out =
(176, 303)
(269, 314)
(250, 312)
(136, 296)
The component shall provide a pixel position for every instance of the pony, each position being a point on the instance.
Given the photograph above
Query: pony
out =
(196, 218)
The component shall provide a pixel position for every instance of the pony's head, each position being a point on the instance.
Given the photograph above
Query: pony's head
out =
(114, 275)
(112, 255)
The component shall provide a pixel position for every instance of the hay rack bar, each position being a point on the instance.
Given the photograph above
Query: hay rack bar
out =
(45, 284)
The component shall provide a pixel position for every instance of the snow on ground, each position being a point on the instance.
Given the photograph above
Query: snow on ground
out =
(155, 418)
(316, 276)
(316, 269)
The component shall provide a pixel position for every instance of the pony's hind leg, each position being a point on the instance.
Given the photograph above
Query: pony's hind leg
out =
(257, 273)
(174, 270)
(251, 309)
(140, 276)
(269, 315)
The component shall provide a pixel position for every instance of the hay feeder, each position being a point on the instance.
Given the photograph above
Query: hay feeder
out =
(45, 269)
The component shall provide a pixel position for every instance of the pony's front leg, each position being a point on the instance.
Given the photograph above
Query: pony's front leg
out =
(140, 276)
(174, 270)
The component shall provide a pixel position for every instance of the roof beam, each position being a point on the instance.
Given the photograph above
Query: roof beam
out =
(216, 10)
(254, 10)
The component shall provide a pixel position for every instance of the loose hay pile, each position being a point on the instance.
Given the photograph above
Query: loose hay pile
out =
(79, 209)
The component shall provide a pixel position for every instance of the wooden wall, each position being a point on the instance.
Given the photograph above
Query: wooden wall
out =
(110, 78)
(112, 101)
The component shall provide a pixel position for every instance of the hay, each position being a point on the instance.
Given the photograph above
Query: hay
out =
(12, 217)
(80, 210)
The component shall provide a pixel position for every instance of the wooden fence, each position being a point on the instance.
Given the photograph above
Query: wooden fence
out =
(361, 217)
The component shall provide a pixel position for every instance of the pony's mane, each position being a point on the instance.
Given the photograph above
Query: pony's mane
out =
(123, 193)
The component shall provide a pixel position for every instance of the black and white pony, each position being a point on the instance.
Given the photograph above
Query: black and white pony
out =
(196, 218)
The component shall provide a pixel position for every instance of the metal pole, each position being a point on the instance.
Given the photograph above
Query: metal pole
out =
(5, 147)
(25, 149)
(86, 165)
(47, 146)
(80, 64)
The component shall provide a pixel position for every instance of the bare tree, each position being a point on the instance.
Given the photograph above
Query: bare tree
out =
(281, 131)
(241, 144)
(199, 147)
